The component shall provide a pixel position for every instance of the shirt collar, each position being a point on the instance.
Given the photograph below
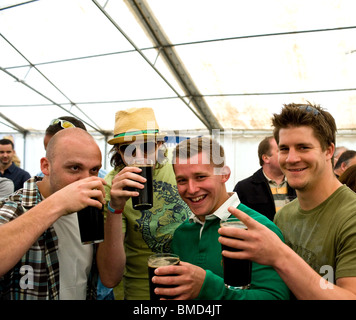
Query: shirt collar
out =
(270, 180)
(11, 168)
(221, 213)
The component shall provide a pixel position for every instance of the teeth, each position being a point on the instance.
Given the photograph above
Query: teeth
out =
(197, 198)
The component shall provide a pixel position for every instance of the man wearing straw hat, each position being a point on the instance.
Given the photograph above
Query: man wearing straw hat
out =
(136, 134)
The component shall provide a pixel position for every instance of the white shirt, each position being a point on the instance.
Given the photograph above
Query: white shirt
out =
(75, 259)
(221, 213)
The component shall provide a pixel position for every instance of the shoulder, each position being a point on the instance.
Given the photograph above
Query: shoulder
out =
(256, 177)
(185, 226)
(11, 207)
(19, 170)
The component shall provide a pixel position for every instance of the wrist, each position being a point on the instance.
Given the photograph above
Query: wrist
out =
(114, 211)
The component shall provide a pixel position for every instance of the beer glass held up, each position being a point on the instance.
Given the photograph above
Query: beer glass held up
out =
(144, 201)
(155, 261)
(237, 272)
(91, 225)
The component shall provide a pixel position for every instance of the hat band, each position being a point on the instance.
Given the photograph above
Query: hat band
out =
(133, 133)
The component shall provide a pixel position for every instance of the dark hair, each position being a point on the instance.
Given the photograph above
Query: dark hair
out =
(54, 128)
(348, 177)
(264, 148)
(297, 115)
(346, 156)
(5, 142)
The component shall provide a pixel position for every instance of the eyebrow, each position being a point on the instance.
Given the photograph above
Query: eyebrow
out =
(298, 145)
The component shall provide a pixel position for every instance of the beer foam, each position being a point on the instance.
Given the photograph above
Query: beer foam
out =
(163, 261)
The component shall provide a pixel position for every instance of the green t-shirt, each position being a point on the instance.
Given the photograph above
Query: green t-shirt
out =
(325, 237)
(201, 247)
(149, 231)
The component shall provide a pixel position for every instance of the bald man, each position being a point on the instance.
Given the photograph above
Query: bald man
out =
(40, 228)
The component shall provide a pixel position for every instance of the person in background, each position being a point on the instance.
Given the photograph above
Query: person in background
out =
(15, 158)
(55, 126)
(8, 169)
(136, 134)
(267, 190)
(201, 174)
(338, 152)
(318, 259)
(348, 177)
(40, 227)
(346, 159)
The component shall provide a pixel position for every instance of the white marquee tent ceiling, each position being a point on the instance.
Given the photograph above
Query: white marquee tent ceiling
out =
(199, 63)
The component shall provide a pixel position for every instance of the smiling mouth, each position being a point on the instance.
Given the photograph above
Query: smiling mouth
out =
(296, 170)
(197, 199)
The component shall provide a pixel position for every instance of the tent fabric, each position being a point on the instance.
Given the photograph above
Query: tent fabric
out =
(246, 59)
(204, 66)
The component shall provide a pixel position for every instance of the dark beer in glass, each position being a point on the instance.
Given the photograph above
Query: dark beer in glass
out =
(91, 225)
(155, 261)
(144, 201)
(237, 272)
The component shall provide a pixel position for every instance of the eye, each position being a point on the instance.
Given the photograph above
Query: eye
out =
(283, 149)
(180, 180)
(94, 171)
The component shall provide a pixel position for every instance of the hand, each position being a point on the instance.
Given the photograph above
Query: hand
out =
(80, 194)
(258, 243)
(128, 178)
(187, 277)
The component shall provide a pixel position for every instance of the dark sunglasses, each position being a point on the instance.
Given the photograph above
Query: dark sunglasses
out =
(130, 149)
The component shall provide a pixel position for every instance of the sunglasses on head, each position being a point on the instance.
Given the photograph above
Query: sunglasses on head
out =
(64, 123)
(145, 148)
(310, 109)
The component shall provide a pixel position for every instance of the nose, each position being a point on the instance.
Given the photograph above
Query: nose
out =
(293, 156)
(139, 153)
(192, 187)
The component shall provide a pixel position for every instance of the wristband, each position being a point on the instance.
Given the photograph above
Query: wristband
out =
(112, 210)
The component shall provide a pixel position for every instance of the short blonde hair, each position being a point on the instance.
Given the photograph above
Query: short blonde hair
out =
(193, 146)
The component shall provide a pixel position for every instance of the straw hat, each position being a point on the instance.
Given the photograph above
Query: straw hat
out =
(135, 123)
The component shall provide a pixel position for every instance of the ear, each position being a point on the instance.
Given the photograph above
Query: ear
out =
(343, 166)
(45, 166)
(265, 158)
(225, 173)
(330, 151)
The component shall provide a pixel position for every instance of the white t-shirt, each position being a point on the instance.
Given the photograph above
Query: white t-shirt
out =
(75, 259)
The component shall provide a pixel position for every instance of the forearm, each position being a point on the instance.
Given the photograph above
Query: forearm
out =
(18, 235)
(304, 282)
(111, 254)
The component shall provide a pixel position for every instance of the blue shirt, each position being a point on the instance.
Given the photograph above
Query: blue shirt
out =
(17, 175)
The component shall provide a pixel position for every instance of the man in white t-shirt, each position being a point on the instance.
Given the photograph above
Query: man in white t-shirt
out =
(40, 226)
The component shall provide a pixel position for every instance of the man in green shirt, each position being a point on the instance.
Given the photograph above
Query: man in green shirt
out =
(201, 184)
(318, 260)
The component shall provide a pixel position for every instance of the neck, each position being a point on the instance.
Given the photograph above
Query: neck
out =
(276, 175)
(4, 167)
(310, 199)
(43, 187)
